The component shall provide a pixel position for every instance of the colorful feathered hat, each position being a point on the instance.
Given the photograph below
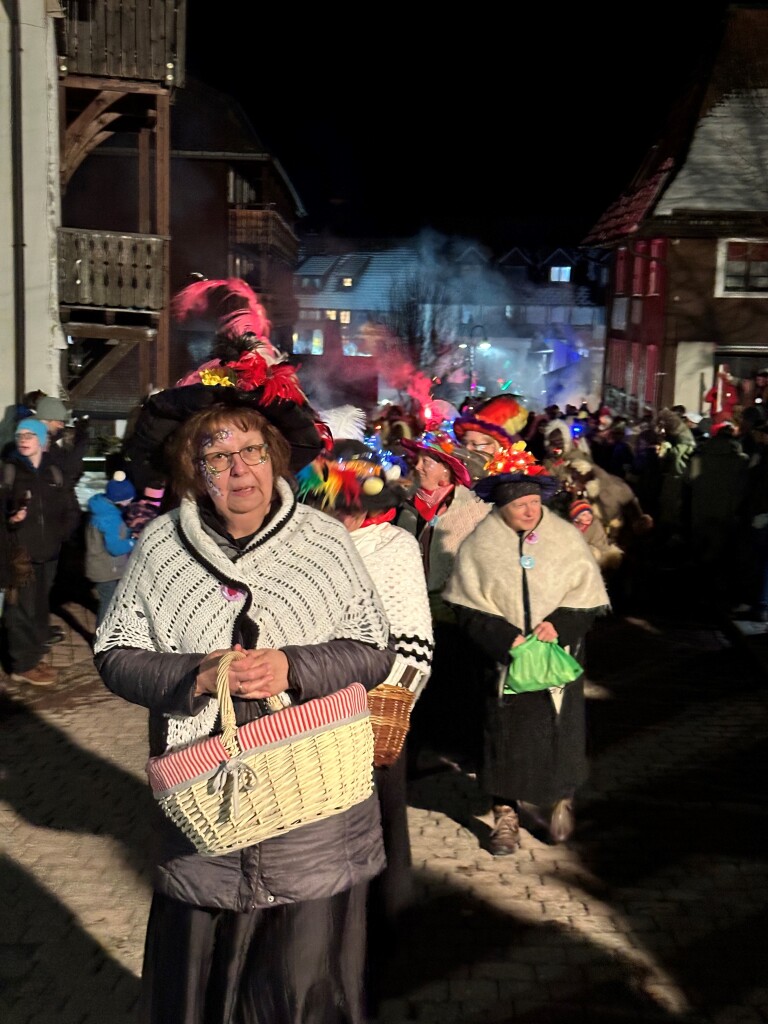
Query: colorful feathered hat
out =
(440, 445)
(350, 478)
(502, 417)
(245, 369)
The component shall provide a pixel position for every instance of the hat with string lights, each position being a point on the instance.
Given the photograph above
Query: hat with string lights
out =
(349, 478)
(514, 473)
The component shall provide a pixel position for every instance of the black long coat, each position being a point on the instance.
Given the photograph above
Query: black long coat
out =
(531, 751)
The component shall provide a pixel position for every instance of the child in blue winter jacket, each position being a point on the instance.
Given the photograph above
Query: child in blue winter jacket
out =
(108, 541)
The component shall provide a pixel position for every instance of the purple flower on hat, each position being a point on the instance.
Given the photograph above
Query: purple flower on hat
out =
(231, 593)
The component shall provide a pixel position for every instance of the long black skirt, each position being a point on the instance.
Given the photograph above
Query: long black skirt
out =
(532, 752)
(300, 963)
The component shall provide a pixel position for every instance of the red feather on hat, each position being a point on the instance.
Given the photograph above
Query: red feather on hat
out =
(282, 382)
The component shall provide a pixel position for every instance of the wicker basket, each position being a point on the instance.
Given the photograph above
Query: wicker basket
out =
(391, 718)
(303, 764)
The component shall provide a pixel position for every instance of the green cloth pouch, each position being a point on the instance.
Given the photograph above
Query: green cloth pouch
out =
(537, 665)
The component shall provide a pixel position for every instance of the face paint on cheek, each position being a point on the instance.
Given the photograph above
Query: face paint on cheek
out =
(210, 481)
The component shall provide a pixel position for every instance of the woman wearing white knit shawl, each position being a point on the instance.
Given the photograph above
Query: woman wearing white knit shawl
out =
(275, 931)
(525, 570)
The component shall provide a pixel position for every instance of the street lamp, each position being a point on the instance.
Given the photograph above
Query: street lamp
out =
(472, 344)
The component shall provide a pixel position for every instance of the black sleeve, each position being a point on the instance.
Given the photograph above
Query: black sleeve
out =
(572, 625)
(160, 682)
(492, 634)
(319, 669)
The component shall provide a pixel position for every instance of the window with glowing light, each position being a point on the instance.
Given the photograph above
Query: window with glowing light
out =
(561, 274)
(308, 343)
(345, 316)
(330, 314)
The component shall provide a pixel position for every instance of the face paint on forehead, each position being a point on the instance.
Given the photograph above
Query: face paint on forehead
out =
(209, 439)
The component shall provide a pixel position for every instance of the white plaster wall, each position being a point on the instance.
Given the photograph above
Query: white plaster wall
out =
(41, 204)
(7, 326)
(693, 370)
(727, 164)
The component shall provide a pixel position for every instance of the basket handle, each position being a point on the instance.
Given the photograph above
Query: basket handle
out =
(228, 723)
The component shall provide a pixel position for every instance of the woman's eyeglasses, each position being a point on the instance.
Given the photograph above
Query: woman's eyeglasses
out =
(220, 462)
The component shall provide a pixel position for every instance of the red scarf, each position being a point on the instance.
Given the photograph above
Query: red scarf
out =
(429, 503)
(382, 517)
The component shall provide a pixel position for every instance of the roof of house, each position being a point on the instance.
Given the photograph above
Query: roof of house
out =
(462, 277)
(373, 275)
(207, 124)
(711, 156)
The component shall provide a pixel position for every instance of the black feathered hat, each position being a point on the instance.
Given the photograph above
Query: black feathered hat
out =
(246, 371)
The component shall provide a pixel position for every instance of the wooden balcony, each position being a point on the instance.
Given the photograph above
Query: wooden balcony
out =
(144, 40)
(264, 232)
(112, 270)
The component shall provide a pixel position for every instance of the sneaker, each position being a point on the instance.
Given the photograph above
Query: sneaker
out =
(40, 675)
(505, 835)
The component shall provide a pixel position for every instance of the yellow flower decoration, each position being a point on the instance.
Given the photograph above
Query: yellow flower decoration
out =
(213, 377)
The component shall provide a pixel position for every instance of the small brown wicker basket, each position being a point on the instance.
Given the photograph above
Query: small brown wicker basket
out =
(390, 718)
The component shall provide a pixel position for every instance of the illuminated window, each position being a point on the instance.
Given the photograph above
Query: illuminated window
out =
(308, 343)
(330, 314)
(346, 282)
(344, 316)
(742, 267)
(562, 274)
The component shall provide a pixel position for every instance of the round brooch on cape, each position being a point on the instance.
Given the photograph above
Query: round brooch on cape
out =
(527, 561)
(532, 538)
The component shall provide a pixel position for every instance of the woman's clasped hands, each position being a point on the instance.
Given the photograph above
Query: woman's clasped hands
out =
(258, 674)
(545, 632)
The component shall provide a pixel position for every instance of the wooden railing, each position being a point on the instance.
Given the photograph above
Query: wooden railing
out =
(131, 39)
(111, 269)
(265, 230)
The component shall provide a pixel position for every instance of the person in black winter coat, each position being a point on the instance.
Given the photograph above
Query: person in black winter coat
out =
(38, 516)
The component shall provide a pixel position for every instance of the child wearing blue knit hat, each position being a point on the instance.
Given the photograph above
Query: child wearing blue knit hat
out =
(30, 425)
(108, 541)
(38, 519)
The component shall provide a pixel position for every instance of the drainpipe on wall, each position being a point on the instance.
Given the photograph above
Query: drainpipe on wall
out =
(17, 177)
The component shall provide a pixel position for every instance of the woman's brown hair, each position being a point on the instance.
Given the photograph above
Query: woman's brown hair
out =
(184, 449)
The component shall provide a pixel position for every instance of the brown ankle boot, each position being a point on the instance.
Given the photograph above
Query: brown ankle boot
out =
(505, 835)
(561, 823)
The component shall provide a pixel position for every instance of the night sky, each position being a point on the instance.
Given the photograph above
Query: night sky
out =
(513, 131)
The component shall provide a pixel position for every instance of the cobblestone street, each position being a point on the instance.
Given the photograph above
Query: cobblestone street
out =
(655, 910)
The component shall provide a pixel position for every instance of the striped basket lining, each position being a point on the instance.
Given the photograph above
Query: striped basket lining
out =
(198, 759)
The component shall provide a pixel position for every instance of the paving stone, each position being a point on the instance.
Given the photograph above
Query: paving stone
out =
(625, 920)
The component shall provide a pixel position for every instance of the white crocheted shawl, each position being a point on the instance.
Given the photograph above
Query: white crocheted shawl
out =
(300, 580)
(393, 558)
